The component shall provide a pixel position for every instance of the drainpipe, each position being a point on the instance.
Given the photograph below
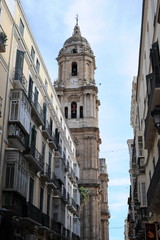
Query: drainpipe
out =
(5, 119)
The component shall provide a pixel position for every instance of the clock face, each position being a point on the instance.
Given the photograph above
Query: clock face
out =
(74, 81)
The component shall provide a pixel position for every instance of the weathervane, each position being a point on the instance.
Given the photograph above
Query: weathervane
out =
(76, 19)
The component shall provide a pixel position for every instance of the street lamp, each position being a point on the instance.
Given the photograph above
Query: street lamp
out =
(156, 116)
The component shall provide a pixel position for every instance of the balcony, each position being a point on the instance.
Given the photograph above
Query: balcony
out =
(153, 86)
(19, 80)
(17, 170)
(46, 173)
(32, 214)
(66, 165)
(141, 165)
(52, 183)
(71, 175)
(72, 206)
(55, 226)
(74, 236)
(52, 141)
(46, 130)
(139, 230)
(59, 211)
(45, 220)
(17, 137)
(68, 234)
(59, 169)
(64, 232)
(20, 110)
(153, 190)
(35, 159)
(13, 203)
(76, 227)
(3, 40)
(58, 151)
(37, 112)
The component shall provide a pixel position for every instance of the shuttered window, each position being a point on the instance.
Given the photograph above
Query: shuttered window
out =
(10, 171)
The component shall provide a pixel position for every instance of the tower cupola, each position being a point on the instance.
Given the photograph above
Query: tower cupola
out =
(76, 44)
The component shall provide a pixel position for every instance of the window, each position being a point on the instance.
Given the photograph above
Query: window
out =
(49, 161)
(81, 112)
(10, 175)
(46, 85)
(21, 27)
(31, 190)
(48, 204)
(33, 140)
(66, 112)
(140, 146)
(32, 54)
(74, 50)
(43, 151)
(44, 111)
(14, 110)
(73, 110)
(37, 66)
(51, 98)
(19, 65)
(30, 89)
(41, 199)
(143, 196)
(57, 135)
(36, 93)
(51, 126)
(74, 69)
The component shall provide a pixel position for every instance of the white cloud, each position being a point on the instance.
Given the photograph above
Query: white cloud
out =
(119, 182)
(117, 206)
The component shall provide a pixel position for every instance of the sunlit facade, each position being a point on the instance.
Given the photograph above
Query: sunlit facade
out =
(39, 196)
(144, 215)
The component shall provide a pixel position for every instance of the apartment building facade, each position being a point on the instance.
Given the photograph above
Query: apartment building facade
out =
(78, 95)
(144, 212)
(39, 196)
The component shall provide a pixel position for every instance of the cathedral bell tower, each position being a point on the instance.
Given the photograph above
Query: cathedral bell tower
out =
(77, 93)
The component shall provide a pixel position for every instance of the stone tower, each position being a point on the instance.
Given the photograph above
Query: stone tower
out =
(77, 93)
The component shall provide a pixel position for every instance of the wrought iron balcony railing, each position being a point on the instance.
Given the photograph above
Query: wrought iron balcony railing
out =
(37, 111)
(32, 212)
(46, 130)
(19, 79)
(52, 141)
(16, 136)
(46, 173)
(152, 190)
(35, 158)
(55, 226)
(153, 87)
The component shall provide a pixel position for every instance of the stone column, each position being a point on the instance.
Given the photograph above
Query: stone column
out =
(86, 222)
(91, 105)
(84, 107)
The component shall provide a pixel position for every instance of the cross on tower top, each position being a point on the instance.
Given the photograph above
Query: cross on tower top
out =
(76, 19)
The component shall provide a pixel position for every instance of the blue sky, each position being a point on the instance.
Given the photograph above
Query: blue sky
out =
(112, 28)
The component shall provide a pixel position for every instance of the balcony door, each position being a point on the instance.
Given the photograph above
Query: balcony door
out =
(33, 140)
(19, 65)
(30, 89)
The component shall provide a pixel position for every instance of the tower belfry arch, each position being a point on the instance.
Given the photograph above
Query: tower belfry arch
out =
(80, 103)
